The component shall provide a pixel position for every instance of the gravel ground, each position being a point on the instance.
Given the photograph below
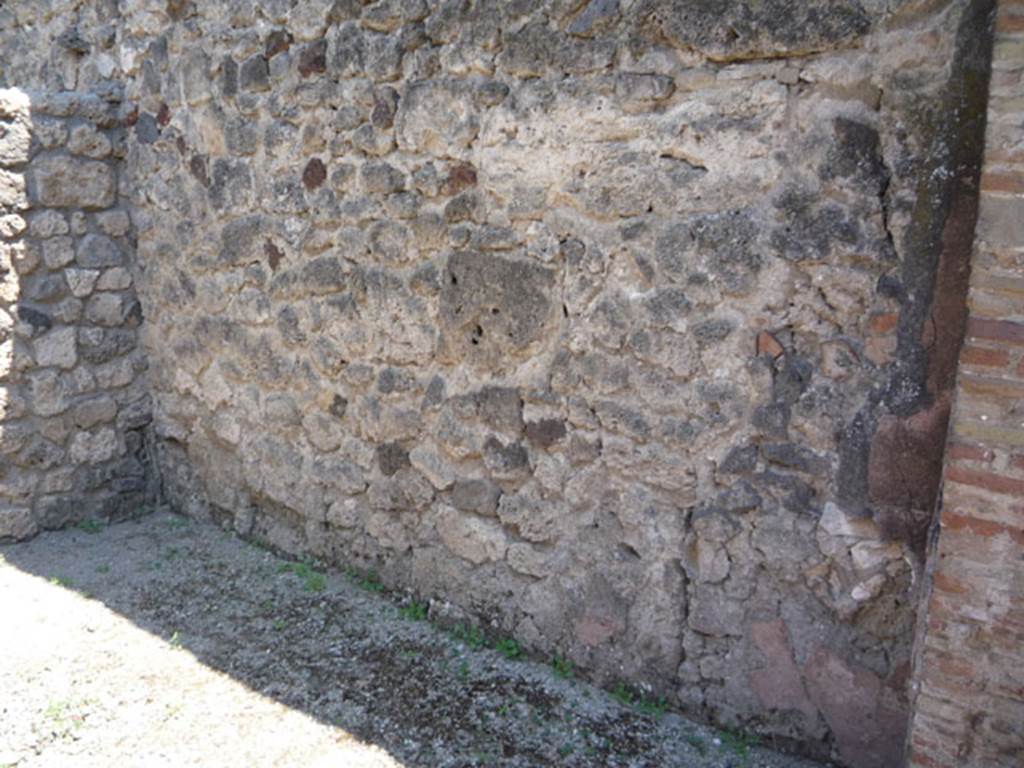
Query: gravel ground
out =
(164, 641)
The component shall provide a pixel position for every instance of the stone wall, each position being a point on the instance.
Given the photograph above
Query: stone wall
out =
(73, 403)
(627, 327)
(970, 671)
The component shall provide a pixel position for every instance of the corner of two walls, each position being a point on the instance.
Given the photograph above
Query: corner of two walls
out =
(618, 332)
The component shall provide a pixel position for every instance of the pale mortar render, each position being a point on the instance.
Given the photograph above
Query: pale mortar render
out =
(629, 327)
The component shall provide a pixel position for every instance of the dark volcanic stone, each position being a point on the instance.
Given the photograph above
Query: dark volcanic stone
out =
(392, 457)
(727, 30)
(314, 174)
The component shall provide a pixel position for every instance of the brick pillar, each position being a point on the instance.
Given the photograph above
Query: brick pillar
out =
(969, 678)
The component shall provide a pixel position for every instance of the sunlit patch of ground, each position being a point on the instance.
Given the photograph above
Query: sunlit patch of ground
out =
(81, 686)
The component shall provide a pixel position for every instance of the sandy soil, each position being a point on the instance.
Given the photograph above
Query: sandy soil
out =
(166, 642)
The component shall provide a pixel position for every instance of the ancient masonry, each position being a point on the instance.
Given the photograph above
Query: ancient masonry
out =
(629, 328)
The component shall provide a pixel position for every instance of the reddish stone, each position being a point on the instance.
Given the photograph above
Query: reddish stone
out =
(1008, 23)
(943, 333)
(967, 452)
(905, 462)
(992, 388)
(996, 330)
(778, 684)
(880, 349)
(274, 255)
(131, 118)
(868, 732)
(767, 344)
(1007, 486)
(1002, 182)
(278, 41)
(983, 528)
(315, 173)
(313, 59)
(460, 177)
(178, 9)
(945, 583)
(163, 115)
(997, 358)
(921, 759)
(883, 322)
(197, 167)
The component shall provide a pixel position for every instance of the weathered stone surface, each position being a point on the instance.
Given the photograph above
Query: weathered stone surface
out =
(98, 251)
(493, 307)
(93, 447)
(95, 410)
(16, 523)
(436, 117)
(472, 538)
(63, 361)
(480, 496)
(848, 696)
(13, 195)
(612, 320)
(15, 131)
(736, 29)
(62, 182)
(57, 347)
(433, 466)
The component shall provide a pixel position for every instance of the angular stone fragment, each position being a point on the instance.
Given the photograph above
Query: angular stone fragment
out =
(12, 192)
(108, 309)
(98, 345)
(432, 466)
(546, 432)
(95, 410)
(114, 279)
(392, 457)
(48, 224)
(532, 520)
(16, 523)
(86, 140)
(95, 251)
(15, 133)
(57, 348)
(58, 252)
(476, 539)
(324, 431)
(94, 447)
(476, 495)
(380, 178)
(254, 74)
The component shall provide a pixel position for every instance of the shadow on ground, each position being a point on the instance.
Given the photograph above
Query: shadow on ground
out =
(363, 672)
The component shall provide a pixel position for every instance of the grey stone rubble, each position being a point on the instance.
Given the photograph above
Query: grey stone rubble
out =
(606, 321)
(74, 406)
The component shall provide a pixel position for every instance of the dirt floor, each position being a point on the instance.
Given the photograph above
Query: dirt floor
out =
(166, 642)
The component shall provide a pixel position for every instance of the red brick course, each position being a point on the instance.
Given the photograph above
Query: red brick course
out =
(969, 709)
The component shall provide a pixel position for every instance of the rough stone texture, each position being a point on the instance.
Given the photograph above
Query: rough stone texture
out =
(616, 324)
(74, 409)
(969, 654)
